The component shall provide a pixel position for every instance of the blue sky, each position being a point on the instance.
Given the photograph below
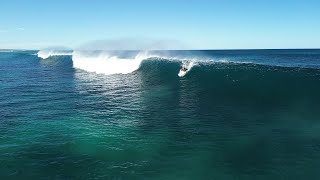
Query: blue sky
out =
(199, 24)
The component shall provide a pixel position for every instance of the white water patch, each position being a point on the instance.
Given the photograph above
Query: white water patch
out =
(46, 53)
(105, 63)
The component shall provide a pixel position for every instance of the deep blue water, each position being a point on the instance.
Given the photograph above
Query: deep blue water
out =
(250, 114)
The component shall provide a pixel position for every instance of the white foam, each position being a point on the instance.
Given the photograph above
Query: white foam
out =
(105, 63)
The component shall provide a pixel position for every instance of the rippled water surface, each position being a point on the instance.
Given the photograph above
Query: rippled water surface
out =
(220, 121)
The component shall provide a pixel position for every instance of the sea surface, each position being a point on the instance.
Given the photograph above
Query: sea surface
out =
(237, 114)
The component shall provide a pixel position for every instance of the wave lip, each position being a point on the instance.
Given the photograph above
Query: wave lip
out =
(104, 62)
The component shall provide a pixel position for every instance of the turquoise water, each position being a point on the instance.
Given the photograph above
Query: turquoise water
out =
(249, 115)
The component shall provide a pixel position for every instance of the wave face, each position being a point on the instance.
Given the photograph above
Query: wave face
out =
(223, 82)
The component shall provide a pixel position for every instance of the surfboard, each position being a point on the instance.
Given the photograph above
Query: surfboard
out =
(182, 72)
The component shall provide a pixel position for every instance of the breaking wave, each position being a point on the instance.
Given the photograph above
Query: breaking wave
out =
(46, 53)
(107, 62)
(124, 62)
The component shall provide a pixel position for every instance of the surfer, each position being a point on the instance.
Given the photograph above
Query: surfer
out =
(184, 69)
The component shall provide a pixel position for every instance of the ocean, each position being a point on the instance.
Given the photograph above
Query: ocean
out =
(236, 114)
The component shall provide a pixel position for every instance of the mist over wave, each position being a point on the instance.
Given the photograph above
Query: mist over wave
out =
(132, 44)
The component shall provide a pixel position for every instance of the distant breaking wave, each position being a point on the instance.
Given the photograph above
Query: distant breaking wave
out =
(46, 53)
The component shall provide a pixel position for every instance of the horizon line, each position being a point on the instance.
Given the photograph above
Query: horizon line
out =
(20, 49)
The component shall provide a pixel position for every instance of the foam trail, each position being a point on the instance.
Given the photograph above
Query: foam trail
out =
(105, 63)
(46, 53)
